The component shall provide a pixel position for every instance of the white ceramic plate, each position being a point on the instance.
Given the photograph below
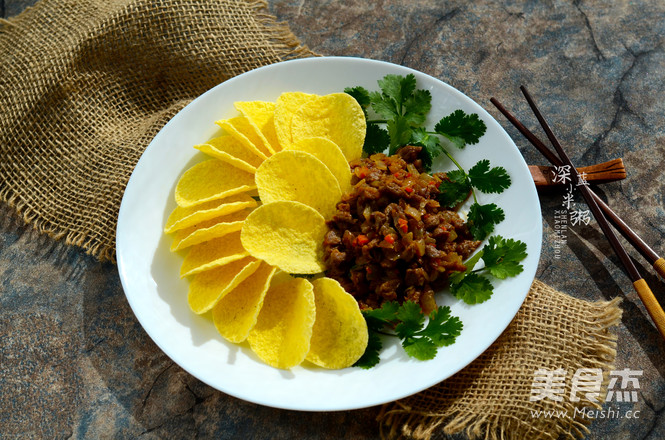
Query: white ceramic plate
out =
(158, 297)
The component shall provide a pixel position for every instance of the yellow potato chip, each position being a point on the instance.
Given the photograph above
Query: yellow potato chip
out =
(211, 180)
(339, 335)
(286, 234)
(284, 326)
(213, 253)
(207, 230)
(337, 117)
(285, 107)
(207, 288)
(262, 115)
(236, 313)
(228, 149)
(247, 134)
(182, 218)
(332, 157)
(301, 177)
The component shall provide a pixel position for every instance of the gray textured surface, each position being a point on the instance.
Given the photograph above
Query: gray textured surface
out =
(75, 362)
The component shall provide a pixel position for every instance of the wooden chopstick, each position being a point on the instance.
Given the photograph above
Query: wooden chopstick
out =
(635, 240)
(641, 287)
(609, 171)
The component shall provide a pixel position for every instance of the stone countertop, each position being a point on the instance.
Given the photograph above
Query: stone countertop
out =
(74, 361)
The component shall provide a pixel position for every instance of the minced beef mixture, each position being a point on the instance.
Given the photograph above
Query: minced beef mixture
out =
(390, 239)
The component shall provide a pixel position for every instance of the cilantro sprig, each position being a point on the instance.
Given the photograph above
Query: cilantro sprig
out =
(401, 109)
(481, 218)
(420, 339)
(501, 258)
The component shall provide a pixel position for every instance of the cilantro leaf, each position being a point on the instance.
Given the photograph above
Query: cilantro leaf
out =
(411, 316)
(407, 321)
(376, 320)
(422, 343)
(383, 105)
(420, 136)
(487, 180)
(397, 87)
(371, 355)
(422, 349)
(431, 146)
(403, 107)
(502, 256)
(442, 328)
(417, 106)
(361, 95)
(473, 289)
(385, 314)
(376, 139)
(482, 218)
(461, 128)
(400, 133)
(455, 189)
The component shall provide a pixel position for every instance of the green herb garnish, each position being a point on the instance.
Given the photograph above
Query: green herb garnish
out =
(407, 322)
(501, 259)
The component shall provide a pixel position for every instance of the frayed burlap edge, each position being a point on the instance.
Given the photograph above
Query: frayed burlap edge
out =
(286, 46)
(411, 418)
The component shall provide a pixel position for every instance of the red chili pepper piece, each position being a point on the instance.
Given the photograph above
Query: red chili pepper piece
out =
(408, 189)
(362, 240)
(362, 172)
(390, 239)
(403, 225)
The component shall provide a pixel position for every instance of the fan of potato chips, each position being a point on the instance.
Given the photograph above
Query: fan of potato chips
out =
(245, 258)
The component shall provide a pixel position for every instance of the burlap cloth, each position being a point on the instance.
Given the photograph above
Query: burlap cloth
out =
(85, 86)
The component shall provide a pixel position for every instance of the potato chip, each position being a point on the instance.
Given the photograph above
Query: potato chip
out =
(286, 234)
(262, 115)
(236, 313)
(247, 134)
(182, 218)
(285, 107)
(339, 335)
(228, 149)
(207, 288)
(211, 180)
(207, 230)
(284, 326)
(337, 117)
(213, 253)
(301, 177)
(332, 157)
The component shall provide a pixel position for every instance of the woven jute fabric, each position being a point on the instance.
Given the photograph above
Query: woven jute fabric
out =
(493, 397)
(86, 84)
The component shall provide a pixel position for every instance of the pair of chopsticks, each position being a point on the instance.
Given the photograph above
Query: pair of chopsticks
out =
(601, 213)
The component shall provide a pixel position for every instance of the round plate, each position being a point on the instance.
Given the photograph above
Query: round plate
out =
(158, 297)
